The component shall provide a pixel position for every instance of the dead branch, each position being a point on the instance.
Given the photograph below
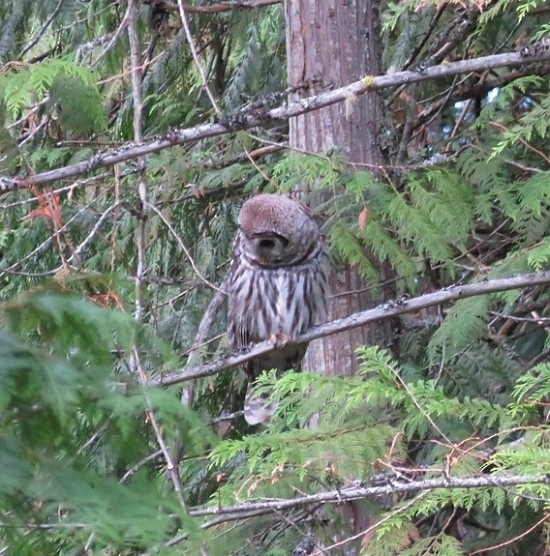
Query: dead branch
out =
(346, 494)
(214, 8)
(385, 311)
(254, 117)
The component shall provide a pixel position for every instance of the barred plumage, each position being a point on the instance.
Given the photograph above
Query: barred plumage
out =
(278, 287)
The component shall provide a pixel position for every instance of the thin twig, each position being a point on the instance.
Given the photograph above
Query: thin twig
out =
(513, 539)
(114, 37)
(40, 33)
(135, 468)
(43, 246)
(184, 249)
(381, 521)
(76, 255)
(135, 60)
(135, 363)
(218, 8)
(171, 467)
(188, 393)
(195, 55)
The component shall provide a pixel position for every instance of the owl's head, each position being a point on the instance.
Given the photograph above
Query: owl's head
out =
(277, 231)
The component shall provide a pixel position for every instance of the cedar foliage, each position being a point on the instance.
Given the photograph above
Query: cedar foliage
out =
(466, 198)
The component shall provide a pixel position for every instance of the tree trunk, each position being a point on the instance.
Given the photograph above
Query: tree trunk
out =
(330, 44)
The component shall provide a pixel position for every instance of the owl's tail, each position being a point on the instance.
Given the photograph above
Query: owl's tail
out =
(257, 408)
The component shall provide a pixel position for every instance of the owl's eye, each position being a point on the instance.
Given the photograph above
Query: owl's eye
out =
(267, 244)
(270, 243)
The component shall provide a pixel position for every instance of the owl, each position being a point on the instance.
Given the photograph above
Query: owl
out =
(277, 288)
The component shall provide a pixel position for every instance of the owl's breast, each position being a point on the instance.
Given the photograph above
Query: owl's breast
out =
(266, 302)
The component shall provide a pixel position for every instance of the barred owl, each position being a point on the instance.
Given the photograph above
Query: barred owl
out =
(277, 287)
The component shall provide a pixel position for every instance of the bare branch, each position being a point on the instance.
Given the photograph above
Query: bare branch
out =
(246, 120)
(184, 248)
(214, 8)
(196, 59)
(135, 60)
(43, 29)
(75, 257)
(346, 494)
(135, 363)
(385, 311)
(171, 465)
(113, 37)
(45, 244)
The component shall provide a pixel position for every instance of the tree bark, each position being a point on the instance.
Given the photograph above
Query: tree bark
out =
(329, 44)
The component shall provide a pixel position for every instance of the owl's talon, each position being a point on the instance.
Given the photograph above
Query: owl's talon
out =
(279, 340)
(237, 352)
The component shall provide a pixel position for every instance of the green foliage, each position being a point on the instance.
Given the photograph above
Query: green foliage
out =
(68, 431)
(533, 387)
(79, 105)
(533, 123)
(19, 87)
(396, 544)
(253, 73)
(464, 324)
(538, 257)
(353, 435)
(462, 197)
(296, 168)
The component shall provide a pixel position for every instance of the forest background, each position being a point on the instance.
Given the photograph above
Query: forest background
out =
(131, 133)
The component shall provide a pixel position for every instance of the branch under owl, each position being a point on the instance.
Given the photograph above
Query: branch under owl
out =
(384, 311)
(386, 485)
(258, 115)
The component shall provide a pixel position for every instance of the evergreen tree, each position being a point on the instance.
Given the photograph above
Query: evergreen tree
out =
(130, 135)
